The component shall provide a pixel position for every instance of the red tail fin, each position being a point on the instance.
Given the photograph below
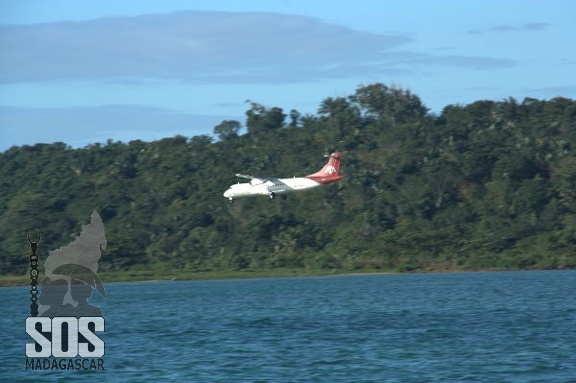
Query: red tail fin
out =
(329, 173)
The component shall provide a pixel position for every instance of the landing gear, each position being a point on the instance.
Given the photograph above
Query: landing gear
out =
(231, 200)
(273, 196)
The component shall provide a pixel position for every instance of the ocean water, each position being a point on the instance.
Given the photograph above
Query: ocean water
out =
(454, 327)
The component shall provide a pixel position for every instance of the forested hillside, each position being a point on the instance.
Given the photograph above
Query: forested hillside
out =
(490, 185)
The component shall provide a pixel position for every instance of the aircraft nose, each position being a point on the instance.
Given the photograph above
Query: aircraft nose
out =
(227, 193)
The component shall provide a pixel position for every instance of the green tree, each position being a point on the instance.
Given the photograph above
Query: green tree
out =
(260, 119)
(227, 129)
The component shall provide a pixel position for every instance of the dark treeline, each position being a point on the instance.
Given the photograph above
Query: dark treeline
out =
(490, 185)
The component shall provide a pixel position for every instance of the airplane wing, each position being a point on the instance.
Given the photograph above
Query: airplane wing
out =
(253, 180)
(276, 185)
(263, 179)
(249, 177)
(274, 182)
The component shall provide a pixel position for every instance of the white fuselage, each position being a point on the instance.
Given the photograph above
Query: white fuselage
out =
(270, 187)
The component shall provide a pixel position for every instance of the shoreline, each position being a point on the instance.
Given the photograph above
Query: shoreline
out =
(200, 275)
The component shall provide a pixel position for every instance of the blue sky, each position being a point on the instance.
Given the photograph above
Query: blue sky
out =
(82, 72)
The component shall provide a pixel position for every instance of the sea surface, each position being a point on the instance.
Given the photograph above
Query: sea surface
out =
(453, 327)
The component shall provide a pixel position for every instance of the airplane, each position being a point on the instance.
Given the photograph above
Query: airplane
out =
(282, 186)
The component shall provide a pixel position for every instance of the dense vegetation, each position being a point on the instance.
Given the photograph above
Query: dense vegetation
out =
(490, 185)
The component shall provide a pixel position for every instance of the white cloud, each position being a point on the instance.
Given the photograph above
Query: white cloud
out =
(208, 47)
(533, 27)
